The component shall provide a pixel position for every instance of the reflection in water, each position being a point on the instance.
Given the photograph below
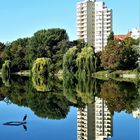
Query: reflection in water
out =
(94, 122)
(120, 96)
(25, 127)
(95, 100)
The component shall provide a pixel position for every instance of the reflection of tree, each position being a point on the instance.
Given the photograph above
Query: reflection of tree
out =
(86, 90)
(47, 104)
(81, 90)
(6, 73)
(120, 95)
(69, 92)
(2, 95)
(50, 105)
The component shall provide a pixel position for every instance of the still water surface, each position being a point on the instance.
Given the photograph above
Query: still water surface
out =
(57, 116)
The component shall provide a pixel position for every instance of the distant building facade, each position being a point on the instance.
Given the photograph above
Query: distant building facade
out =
(134, 33)
(94, 23)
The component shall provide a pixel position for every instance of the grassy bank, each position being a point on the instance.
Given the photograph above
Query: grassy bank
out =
(119, 75)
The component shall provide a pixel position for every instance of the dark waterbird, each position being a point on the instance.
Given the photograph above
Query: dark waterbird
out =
(24, 118)
(18, 123)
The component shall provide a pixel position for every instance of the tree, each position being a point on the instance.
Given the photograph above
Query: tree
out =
(51, 43)
(129, 58)
(119, 55)
(129, 41)
(110, 37)
(86, 62)
(2, 47)
(40, 73)
(69, 61)
(98, 61)
(16, 52)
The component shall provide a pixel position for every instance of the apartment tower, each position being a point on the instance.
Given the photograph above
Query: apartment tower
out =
(94, 23)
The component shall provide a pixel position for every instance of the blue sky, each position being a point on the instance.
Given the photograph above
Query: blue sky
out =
(21, 18)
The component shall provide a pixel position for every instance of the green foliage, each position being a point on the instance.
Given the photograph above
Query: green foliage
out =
(6, 72)
(16, 52)
(40, 73)
(51, 43)
(49, 105)
(129, 58)
(98, 61)
(52, 104)
(55, 104)
(79, 91)
(69, 91)
(130, 41)
(86, 62)
(86, 90)
(119, 55)
(69, 61)
(41, 66)
(110, 37)
(120, 96)
(2, 47)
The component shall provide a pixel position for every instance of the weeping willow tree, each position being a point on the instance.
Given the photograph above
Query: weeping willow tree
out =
(40, 74)
(69, 61)
(86, 62)
(69, 69)
(6, 72)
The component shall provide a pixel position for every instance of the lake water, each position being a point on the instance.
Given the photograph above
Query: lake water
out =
(96, 110)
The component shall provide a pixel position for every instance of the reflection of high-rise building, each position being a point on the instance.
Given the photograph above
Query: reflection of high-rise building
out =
(136, 114)
(86, 123)
(103, 120)
(94, 122)
(94, 23)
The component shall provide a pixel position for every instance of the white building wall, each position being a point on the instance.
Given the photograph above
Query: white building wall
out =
(94, 23)
(135, 33)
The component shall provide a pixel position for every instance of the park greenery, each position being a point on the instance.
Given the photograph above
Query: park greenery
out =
(120, 55)
(47, 53)
(74, 57)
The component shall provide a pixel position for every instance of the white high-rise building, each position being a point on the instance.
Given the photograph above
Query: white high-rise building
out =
(94, 23)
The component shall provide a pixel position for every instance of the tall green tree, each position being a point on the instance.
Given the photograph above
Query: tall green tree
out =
(119, 55)
(2, 47)
(110, 37)
(16, 52)
(69, 61)
(51, 43)
(86, 62)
